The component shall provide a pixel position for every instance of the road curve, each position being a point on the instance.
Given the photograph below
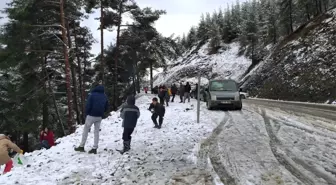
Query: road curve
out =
(327, 112)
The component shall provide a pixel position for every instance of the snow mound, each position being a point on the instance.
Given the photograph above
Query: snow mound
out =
(224, 64)
(155, 157)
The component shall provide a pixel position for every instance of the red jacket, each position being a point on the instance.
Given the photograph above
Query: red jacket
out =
(49, 137)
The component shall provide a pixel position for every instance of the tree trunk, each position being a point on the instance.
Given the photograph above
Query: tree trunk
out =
(291, 16)
(45, 113)
(102, 43)
(54, 99)
(307, 12)
(74, 82)
(80, 77)
(151, 74)
(116, 58)
(137, 77)
(67, 69)
(25, 142)
(73, 75)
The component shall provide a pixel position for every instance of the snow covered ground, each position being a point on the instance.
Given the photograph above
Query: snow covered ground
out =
(155, 155)
(271, 146)
(260, 145)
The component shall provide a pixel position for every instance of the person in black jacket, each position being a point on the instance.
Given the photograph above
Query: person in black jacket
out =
(130, 114)
(162, 95)
(173, 90)
(158, 110)
(187, 90)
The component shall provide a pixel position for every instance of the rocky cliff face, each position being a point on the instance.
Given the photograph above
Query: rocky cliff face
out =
(302, 67)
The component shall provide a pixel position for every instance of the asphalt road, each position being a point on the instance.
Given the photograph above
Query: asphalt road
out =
(296, 108)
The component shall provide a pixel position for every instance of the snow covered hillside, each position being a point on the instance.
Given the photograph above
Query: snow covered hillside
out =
(225, 64)
(155, 155)
(302, 67)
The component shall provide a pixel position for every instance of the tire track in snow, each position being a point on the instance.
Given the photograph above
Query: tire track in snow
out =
(281, 157)
(209, 149)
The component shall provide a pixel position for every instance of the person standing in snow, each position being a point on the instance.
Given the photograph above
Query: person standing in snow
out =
(187, 89)
(47, 138)
(158, 110)
(5, 145)
(173, 90)
(162, 95)
(130, 114)
(181, 92)
(96, 106)
(167, 95)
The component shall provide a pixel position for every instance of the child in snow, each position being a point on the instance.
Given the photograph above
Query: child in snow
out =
(130, 114)
(96, 106)
(158, 110)
(47, 138)
(5, 145)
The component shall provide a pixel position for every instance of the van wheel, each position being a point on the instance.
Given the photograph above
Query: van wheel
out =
(242, 96)
(239, 107)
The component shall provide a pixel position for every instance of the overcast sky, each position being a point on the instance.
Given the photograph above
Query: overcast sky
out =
(181, 15)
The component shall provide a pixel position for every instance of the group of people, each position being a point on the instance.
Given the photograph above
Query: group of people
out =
(165, 93)
(97, 105)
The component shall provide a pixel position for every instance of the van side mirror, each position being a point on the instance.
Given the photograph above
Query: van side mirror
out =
(240, 89)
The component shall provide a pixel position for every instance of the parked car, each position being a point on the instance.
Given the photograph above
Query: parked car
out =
(243, 95)
(223, 93)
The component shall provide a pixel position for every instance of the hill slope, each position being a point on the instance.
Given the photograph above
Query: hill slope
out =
(302, 67)
(226, 64)
(156, 155)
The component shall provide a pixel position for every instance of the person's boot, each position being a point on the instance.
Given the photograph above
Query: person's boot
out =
(93, 151)
(79, 149)
(126, 148)
(156, 126)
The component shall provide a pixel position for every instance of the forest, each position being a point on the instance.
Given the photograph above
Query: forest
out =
(256, 25)
(47, 68)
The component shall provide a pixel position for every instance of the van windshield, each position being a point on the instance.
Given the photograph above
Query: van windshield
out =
(225, 85)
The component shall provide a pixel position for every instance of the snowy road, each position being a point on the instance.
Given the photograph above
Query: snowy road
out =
(266, 145)
(260, 145)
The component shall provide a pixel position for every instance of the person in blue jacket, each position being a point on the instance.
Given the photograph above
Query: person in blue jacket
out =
(96, 106)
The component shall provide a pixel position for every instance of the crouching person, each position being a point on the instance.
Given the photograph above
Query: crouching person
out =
(47, 138)
(158, 110)
(130, 114)
(5, 145)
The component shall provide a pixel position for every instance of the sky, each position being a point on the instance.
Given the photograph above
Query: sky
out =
(181, 16)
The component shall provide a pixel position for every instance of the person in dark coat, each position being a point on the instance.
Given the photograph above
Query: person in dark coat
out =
(187, 89)
(166, 96)
(181, 92)
(158, 110)
(162, 95)
(96, 106)
(173, 90)
(130, 114)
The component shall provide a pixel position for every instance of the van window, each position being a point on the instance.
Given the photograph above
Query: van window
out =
(225, 85)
